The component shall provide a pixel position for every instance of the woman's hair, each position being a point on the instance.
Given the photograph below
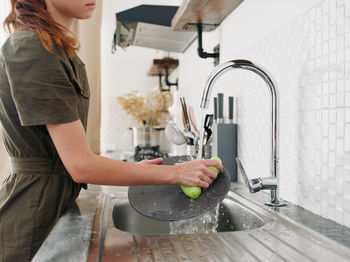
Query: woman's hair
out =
(32, 15)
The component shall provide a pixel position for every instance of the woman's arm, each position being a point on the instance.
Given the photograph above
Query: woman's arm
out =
(86, 167)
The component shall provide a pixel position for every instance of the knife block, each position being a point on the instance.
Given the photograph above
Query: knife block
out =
(224, 145)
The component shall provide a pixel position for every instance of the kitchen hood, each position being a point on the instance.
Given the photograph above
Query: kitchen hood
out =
(150, 26)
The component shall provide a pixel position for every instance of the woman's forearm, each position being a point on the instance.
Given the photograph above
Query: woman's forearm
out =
(104, 171)
(86, 167)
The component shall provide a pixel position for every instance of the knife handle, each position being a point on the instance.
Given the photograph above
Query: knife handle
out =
(220, 108)
(230, 108)
(215, 109)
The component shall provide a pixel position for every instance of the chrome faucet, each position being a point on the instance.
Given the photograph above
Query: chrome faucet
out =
(256, 184)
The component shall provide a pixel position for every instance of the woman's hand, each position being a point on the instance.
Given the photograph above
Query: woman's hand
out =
(196, 173)
(155, 161)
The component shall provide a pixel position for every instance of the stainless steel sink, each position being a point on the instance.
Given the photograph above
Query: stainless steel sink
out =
(247, 231)
(232, 216)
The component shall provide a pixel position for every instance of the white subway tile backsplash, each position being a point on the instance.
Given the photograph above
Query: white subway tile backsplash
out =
(347, 25)
(332, 155)
(347, 189)
(332, 101)
(340, 2)
(347, 158)
(311, 68)
(347, 173)
(346, 202)
(347, 11)
(324, 209)
(347, 99)
(340, 27)
(340, 100)
(346, 219)
(339, 154)
(347, 54)
(339, 215)
(347, 138)
(340, 192)
(347, 115)
(331, 212)
(331, 192)
(329, 82)
(317, 207)
(340, 84)
(340, 42)
(347, 38)
(340, 134)
(339, 171)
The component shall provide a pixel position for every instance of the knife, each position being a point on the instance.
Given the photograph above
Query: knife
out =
(230, 108)
(215, 109)
(207, 127)
(220, 108)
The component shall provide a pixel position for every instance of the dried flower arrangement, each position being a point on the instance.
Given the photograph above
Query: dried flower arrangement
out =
(151, 110)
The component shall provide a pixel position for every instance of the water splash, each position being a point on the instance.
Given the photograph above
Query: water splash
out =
(203, 224)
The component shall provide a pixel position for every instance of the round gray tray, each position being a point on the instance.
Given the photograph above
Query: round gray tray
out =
(169, 203)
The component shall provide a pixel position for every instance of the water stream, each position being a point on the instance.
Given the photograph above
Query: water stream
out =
(201, 134)
(207, 222)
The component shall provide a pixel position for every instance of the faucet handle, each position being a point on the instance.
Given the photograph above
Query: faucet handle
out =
(254, 185)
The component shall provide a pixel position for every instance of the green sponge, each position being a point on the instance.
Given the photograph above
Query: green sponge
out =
(195, 191)
(213, 167)
(191, 191)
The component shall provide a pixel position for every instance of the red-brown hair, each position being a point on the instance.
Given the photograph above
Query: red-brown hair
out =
(32, 15)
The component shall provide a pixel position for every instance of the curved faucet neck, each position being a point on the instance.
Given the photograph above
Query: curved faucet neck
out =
(247, 65)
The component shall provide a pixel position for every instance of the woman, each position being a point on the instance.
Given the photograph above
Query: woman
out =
(44, 98)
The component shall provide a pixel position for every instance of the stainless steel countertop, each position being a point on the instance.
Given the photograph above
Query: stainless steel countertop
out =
(289, 238)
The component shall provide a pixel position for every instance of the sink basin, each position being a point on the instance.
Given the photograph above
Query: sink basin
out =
(247, 231)
(232, 216)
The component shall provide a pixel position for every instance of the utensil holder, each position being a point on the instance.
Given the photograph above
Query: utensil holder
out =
(192, 150)
(206, 153)
(224, 145)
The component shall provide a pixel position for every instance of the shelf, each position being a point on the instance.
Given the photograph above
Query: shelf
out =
(209, 13)
(158, 67)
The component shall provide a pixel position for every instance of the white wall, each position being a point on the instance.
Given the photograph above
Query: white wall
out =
(305, 47)
(254, 19)
(122, 72)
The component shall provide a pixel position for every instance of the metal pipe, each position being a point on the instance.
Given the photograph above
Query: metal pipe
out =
(167, 78)
(201, 52)
(247, 65)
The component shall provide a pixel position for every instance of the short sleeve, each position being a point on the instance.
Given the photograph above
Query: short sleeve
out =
(39, 83)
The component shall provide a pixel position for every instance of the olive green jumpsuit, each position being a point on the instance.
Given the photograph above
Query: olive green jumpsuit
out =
(36, 88)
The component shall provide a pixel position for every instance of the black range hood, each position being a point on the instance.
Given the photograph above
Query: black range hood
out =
(151, 14)
(150, 26)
